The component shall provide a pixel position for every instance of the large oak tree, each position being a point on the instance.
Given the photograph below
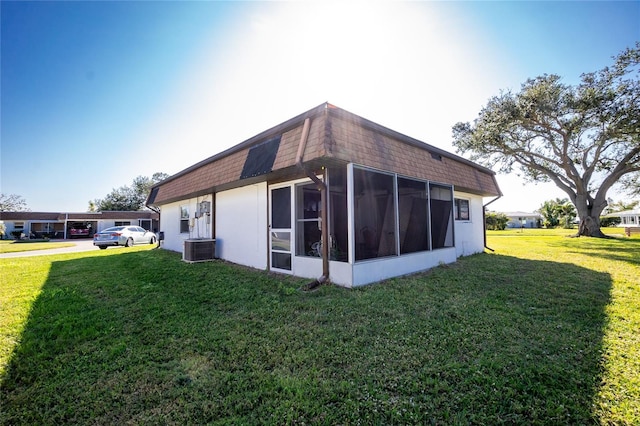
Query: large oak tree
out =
(584, 138)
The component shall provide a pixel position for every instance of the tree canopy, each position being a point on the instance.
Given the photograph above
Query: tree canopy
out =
(13, 203)
(584, 138)
(558, 212)
(128, 198)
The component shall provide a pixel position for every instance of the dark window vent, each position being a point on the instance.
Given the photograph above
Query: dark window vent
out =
(436, 156)
(260, 158)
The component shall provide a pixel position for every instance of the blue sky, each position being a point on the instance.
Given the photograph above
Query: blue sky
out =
(94, 94)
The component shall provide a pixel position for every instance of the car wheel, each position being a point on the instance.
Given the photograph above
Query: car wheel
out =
(129, 242)
(102, 247)
(153, 240)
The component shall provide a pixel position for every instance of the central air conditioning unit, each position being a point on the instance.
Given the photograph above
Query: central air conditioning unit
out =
(199, 250)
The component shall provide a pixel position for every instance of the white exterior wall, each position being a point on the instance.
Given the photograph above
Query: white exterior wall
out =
(170, 217)
(372, 270)
(241, 225)
(170, 225)
(469, 234)
(10, 226)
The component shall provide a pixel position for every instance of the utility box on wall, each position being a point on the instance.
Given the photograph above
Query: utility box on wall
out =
(199, 250)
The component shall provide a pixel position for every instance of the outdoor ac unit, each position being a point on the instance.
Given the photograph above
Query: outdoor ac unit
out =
(199, 250)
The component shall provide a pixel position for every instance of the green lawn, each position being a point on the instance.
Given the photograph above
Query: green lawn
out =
(10, 246)
(542, 331)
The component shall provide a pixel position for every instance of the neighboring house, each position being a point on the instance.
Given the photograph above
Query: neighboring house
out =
(388, 204)
(628, 218)
(73, 225)
(523, 220)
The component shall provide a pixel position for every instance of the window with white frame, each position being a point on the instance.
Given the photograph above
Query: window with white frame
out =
(184, 219)
(461, 208)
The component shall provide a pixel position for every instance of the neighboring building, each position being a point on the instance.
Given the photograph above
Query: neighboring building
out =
(73, 225)
(524, 220)
(628, 218)
(388, 204)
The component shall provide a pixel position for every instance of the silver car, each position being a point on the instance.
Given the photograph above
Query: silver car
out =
(123, 236)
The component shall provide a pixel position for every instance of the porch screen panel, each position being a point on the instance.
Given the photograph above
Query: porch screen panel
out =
(413, 215)
(308, 212)
(441, 203)
(374, 214)
(338, 218)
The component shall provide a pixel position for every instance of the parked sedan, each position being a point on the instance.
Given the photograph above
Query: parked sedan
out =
(123, 236)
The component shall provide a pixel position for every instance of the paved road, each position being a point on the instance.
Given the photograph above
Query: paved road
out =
(80, 245)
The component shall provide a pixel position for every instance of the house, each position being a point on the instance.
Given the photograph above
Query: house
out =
(385, 203)
(73, 225)
(628, 218)
(523, 220)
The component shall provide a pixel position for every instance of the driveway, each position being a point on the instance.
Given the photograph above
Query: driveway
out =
(80, 245)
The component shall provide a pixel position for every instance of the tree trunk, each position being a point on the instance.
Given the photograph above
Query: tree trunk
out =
(590, 227)
(589, 211)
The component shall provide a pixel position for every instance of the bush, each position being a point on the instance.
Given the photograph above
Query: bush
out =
(496, 221)
(609, 221)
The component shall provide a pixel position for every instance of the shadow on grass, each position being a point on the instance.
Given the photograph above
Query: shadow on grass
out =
(144, 338)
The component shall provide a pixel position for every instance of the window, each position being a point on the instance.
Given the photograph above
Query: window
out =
(145, 223)
(413, 215)
(375, 218)
(117, 223)
(441, 202)
(18, 226)
(461, 209)
(184, 219)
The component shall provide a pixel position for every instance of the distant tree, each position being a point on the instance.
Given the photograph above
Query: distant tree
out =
(549, 214)
(3, 230)
(496, 221)
(620, 206)
(584, 138)
(92, 206)
(13, 203)
(567, 215)
(558, 212)
(128, 198)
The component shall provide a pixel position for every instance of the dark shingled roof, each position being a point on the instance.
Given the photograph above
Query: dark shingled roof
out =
(335, 137)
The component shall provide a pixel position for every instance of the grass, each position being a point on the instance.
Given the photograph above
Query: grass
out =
(543, 330)
(7, 246)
